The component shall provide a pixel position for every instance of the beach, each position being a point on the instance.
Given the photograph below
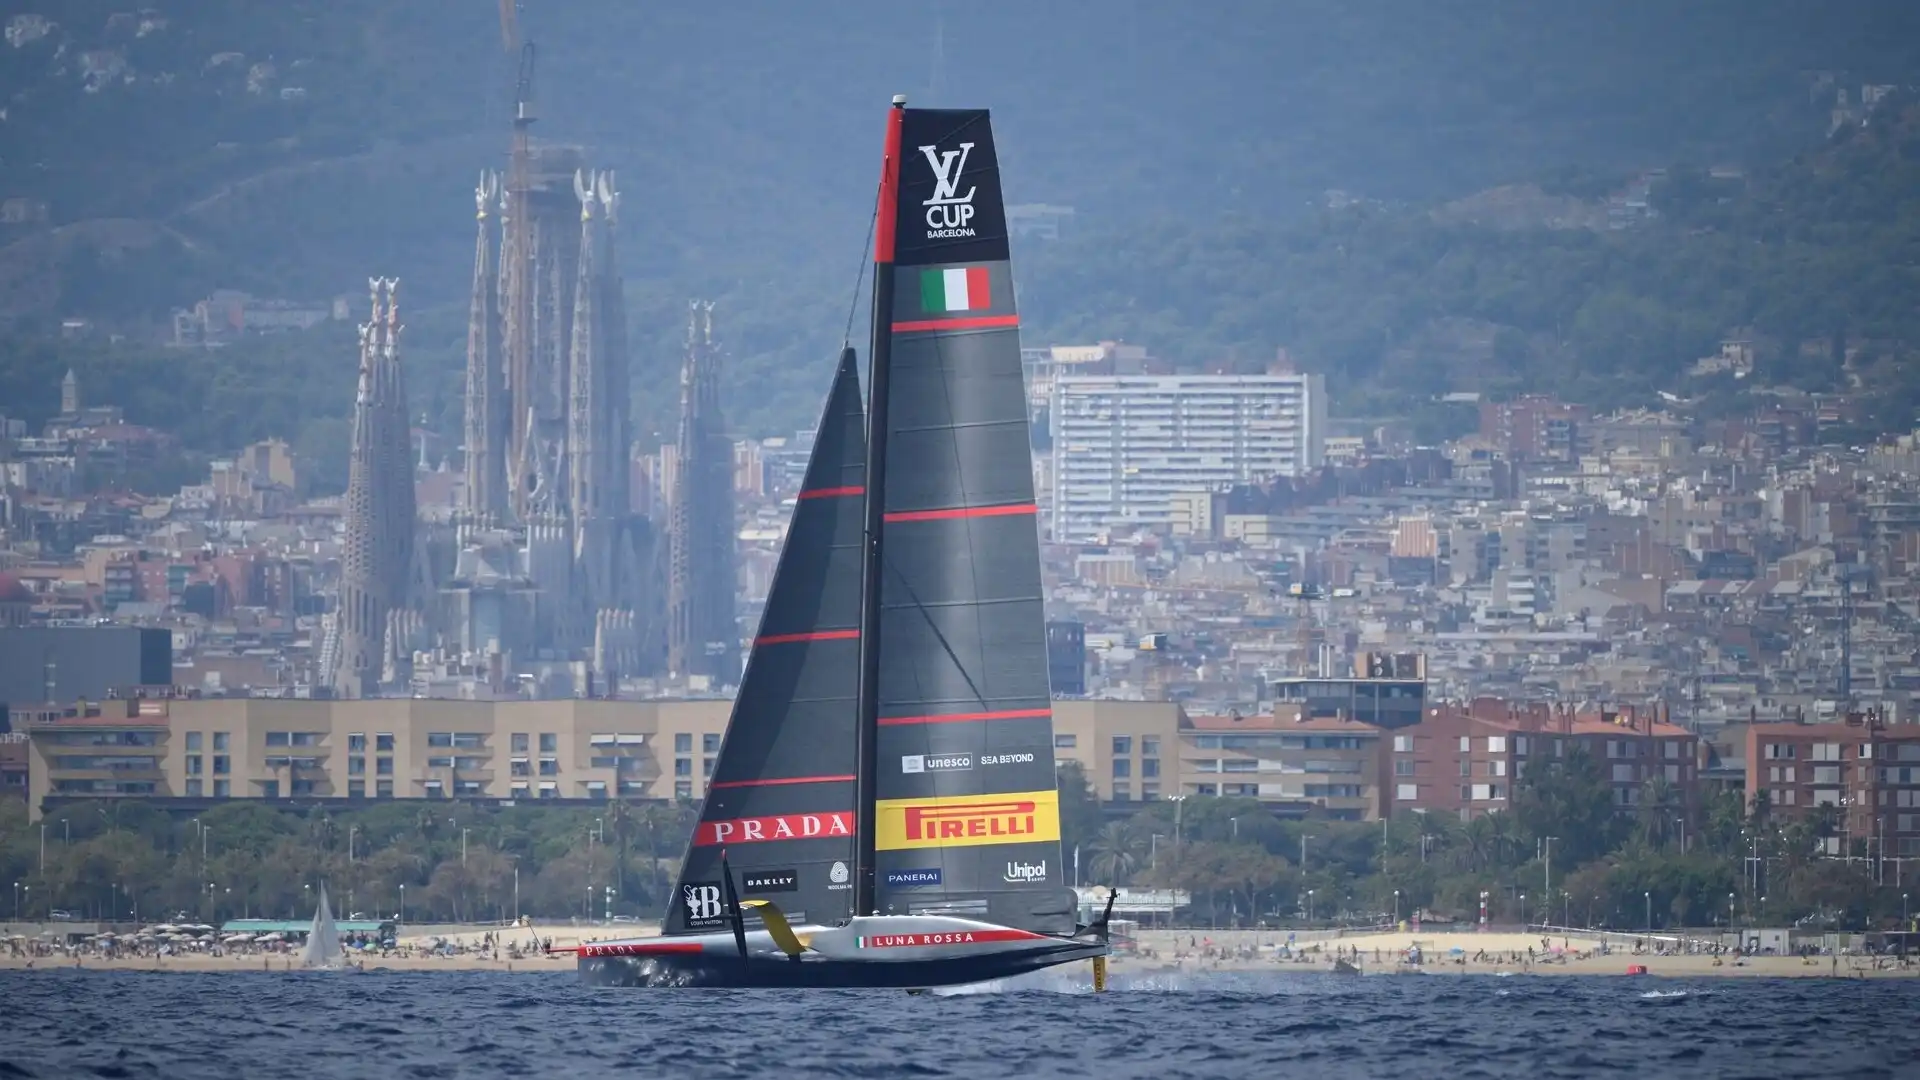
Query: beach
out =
(1159, 951)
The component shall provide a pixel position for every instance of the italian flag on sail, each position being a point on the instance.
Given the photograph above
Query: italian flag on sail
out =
(955, 288)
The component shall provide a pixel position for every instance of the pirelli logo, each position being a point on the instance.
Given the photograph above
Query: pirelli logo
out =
(967, 820)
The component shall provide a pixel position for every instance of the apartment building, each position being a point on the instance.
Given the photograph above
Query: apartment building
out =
(13, 766)
(372, 749)
(1328, 763)
(1144, 750)
(1130, 750)
(1866, 770)
(1386, 690)
(1125, 445)
(1464, 759)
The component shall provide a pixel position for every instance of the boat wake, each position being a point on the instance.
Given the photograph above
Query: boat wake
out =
(1144, 982)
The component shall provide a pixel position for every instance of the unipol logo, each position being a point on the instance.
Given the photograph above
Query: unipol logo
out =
(755, 830)
(949, 213)
(1021, 873)
(703, 902)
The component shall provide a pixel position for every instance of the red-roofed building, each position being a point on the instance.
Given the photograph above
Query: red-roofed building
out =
(1866, 768)
(1464, 759)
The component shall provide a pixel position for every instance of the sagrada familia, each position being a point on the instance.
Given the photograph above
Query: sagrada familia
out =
(549, 574)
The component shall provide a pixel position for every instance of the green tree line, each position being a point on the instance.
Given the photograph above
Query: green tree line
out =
(1560, 854)
(444, 861)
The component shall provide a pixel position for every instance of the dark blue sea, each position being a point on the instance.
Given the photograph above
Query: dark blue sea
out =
(497, 1026)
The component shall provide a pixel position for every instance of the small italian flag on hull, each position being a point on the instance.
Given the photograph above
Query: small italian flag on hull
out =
(954, 289)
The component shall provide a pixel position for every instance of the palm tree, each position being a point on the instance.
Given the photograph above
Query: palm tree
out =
(1657, 802)
(1114, 853)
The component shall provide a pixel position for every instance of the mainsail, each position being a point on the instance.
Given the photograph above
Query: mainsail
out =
(780, 802)
(323, 940)
(966, 815)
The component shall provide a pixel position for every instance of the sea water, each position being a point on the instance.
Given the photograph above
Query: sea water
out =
(258, 1026)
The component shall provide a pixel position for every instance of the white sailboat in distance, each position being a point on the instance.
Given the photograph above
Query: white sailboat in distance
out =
(323, 940)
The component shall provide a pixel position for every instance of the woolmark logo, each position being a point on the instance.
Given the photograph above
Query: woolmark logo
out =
(926, 763)
(949, 213)
(1025, 873)
(703, 902)
(775, 827)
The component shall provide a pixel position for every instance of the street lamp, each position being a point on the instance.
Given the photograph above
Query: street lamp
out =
(1309, 907)
(1730, 913)
(16, 901)
(1396, 908)
(1523, 912)
(403, 903)
(1903, 910)
(1649, 896)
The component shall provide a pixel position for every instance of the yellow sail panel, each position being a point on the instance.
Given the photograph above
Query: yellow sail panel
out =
(967, 820)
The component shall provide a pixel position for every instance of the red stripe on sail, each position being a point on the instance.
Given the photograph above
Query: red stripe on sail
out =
(974, 322)
(848, 779)
(831, 493)
(816, 635)
(954, 718)
(963, 512)
(883, 229)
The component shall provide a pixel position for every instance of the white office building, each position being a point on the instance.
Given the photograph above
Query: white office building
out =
(1125, 445)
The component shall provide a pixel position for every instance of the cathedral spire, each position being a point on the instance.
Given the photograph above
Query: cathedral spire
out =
(378, 543)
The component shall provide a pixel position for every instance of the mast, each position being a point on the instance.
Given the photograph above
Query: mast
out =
(880, 353)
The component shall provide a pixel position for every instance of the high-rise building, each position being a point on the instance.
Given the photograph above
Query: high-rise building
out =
(377, 562)
(702, 635)
(1125, 445)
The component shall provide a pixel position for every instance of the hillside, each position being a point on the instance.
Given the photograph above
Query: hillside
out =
(292, 148)
(1813, 256)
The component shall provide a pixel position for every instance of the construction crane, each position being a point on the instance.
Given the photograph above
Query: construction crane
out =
(1306, 594)
(517, 243)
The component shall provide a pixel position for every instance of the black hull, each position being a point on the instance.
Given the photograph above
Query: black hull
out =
(719, 972)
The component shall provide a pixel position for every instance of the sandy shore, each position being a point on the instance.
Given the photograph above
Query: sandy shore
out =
(1580, 957)
(1506, 954)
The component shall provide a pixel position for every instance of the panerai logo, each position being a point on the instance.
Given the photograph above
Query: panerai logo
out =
(1025, 872)
(949, 213)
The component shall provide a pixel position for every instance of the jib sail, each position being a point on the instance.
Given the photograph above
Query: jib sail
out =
(780, 802)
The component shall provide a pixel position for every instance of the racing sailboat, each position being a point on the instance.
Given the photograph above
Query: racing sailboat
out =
(883, 811)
